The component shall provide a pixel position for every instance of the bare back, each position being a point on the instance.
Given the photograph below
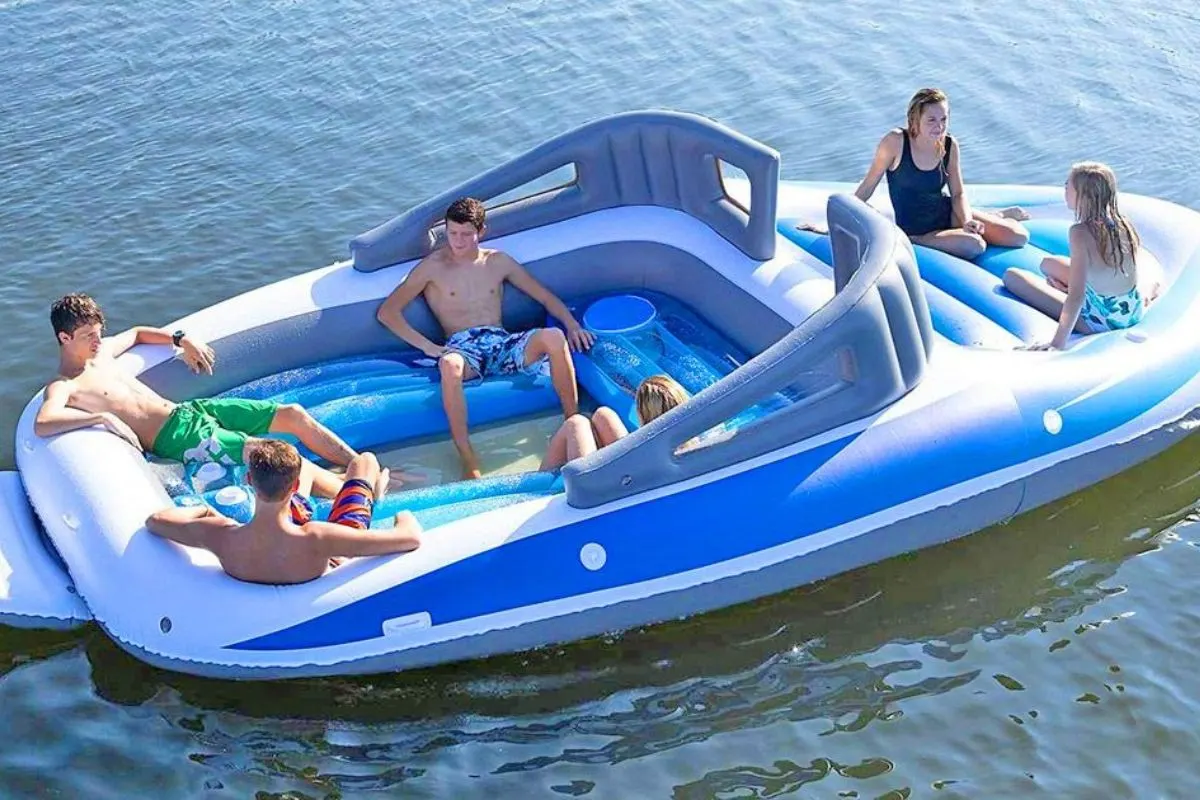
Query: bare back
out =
(269, 551)
(1103, 277)
(465, 295)
(102, 386)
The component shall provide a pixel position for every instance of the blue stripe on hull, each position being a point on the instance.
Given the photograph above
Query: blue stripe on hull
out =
(809, 492)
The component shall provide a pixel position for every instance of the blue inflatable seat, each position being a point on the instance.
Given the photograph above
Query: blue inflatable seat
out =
(967, 301)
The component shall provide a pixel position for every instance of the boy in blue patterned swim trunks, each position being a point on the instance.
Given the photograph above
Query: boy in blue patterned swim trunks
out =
(463, 284)
(490, 350)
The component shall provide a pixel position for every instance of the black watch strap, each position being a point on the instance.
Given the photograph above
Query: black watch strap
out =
(177, 338)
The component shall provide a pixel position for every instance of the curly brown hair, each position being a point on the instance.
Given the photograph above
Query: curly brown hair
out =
(466, 209)
(69, 314)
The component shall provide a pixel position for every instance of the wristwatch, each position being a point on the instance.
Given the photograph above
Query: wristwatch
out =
(177, 338)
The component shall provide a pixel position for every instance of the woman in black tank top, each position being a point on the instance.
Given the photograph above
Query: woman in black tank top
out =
(921, 162)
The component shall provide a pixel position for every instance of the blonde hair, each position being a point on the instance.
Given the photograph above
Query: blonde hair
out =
(1096, 207)
(657, 395)
(916, 107)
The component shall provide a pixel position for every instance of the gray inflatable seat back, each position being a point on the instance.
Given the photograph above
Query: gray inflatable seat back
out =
(661, 158)
(876, 331)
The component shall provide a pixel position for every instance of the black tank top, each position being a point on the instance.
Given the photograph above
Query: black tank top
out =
(917, 197)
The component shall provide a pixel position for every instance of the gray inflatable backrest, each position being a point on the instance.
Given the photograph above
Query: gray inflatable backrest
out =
(662, 158)
(876, 331)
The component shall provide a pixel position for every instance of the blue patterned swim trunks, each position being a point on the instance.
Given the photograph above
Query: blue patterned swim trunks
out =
(492, 351)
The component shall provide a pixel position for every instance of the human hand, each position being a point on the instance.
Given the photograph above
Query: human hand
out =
(579, 339)
(197, 355)
(435, 351)
(1014, 212)
(405, 520)
(114, 424)
(974, 226)
(812, 227)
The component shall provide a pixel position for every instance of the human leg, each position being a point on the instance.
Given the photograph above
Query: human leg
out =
(293, 419)
(955, 241)
(573, 439)
(1034, 291)
(1057, 271)
(607, 426)
(1002, 231)
(355, 501)
(453, 369)
(257, 417)
(550, 343)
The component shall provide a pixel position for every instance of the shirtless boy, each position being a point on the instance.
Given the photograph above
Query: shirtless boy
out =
(92, 390)
(463, 285)
(272, 547)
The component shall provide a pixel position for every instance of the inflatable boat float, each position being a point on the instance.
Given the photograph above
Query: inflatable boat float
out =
(854, 398)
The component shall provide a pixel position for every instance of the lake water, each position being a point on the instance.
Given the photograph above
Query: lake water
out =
(163, 156)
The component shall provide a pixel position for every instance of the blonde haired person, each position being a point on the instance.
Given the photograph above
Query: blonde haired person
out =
(579, 436)
(921, 160)
(1096, 289)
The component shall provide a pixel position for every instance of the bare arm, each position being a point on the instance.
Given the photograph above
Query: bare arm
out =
(885, 156)
(391, 313)
(519, 277)
(192, 526)
(140, 334)
(55, 416)
(341, 540)
(1076, 282)
(198, 355)
(958, 192)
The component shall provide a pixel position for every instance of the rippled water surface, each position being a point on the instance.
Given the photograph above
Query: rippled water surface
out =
(163, 156)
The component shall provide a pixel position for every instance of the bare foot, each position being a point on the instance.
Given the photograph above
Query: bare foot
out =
(400, 478)
(382, 482)
(812, 228)
(470, 463)
(1014, 212)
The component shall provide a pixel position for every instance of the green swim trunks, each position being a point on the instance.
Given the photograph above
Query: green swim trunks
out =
(213, 430)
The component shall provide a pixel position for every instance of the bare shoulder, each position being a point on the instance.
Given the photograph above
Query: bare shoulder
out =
(58, 386)
(892, 141)
(1081, 240)
(428, 265)
(498, 259)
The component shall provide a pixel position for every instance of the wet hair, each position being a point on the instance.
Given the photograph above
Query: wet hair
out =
(657, 395)
(466, 209)
(916, 107)
(1096, 207)
(69, 314)
(274, 469)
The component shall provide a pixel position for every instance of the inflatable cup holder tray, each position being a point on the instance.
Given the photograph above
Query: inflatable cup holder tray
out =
(619, 314)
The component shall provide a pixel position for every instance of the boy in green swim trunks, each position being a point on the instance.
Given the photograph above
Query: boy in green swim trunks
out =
(91, 389)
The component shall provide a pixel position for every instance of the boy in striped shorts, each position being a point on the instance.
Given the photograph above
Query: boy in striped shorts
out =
(276, 548)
